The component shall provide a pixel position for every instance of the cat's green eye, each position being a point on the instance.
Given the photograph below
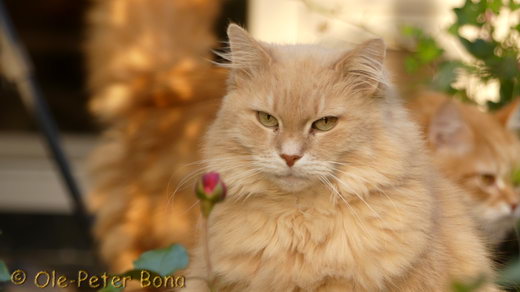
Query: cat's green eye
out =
(488, 179)
(325, 123)
(267, 120)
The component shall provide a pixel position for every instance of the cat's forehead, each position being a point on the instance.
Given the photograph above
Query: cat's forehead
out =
(296, 54)
(308, 55)
(495, 146)
(301, 91)
(301, 83)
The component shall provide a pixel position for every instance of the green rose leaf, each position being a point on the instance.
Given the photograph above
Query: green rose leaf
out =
(4, 272)
(163, 261)
(510, 276)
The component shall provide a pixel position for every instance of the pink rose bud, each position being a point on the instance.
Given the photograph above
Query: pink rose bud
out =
(210, 190)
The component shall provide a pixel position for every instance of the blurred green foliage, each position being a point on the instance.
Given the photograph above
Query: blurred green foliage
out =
(5, 276)
(510, 276)
(4, 272)
(494, 59)
(515, 179)
(468, 286)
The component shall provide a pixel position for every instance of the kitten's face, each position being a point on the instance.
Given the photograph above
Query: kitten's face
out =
(294, 113)
(483, 157)
(490, 181)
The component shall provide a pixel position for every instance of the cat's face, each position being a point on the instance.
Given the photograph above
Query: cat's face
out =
(488, 178)
(296, 114)
(297, 128)
(483, 156)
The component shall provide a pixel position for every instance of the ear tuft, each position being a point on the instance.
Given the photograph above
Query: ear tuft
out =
(375, 49)
(448, 131)
(235, 32)
(363, 66)
(246, 54)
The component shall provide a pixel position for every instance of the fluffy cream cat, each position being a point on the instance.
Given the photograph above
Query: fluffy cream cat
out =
(329, 186)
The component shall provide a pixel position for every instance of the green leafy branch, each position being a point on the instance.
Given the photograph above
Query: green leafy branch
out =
(493, 59)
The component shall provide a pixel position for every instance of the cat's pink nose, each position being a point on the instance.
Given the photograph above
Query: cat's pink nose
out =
(290, 159)
(514, 206)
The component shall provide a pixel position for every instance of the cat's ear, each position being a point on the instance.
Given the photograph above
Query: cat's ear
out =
(246, 54)
(509, 116)
(363, 66)
(448, 131)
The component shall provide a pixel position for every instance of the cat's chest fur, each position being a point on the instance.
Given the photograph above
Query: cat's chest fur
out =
(288, 244)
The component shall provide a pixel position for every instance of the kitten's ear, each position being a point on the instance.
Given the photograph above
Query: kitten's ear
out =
(363, 66)
(448, 131)
(246, 54)
(509, 116)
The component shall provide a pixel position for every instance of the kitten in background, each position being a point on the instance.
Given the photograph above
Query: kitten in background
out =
(477, 151)
(329, 185)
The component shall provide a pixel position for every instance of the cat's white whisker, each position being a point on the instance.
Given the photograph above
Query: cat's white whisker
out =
(206, 161)
(185, 180)
(378, 188)
(340, 196)
(191, 207)
(357, 194)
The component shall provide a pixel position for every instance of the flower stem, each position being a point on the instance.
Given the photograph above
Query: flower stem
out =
(209, 268)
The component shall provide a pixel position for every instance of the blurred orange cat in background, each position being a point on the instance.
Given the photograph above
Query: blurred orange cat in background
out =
(477, 151)
(155, 92)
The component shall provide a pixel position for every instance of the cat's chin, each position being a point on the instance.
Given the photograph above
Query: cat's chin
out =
(291, 183)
